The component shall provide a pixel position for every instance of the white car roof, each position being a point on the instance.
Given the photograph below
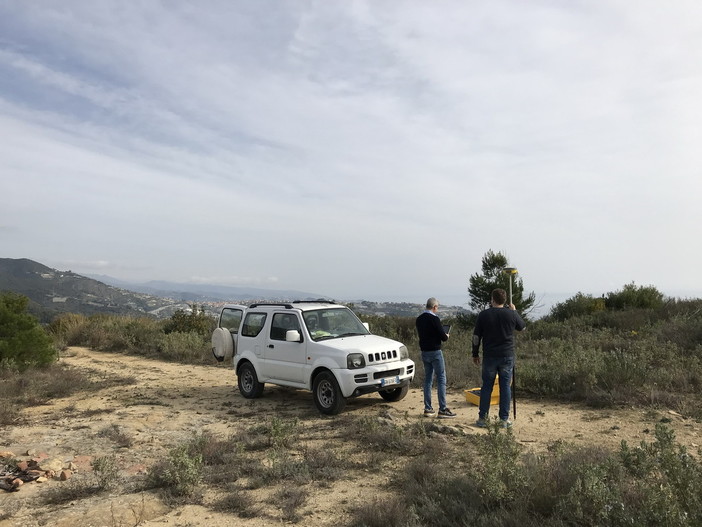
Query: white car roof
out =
(302, 305)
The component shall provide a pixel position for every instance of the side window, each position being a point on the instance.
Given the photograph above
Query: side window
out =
(253, 324)
(281, 324)
(230, 319)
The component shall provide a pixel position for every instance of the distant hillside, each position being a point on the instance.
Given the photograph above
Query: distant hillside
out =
(206, 292)
(52, 292)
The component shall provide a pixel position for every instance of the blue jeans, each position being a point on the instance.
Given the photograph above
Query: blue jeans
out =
(434, 364)
(492, 366)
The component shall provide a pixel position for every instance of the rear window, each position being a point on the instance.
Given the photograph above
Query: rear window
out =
(230, 319)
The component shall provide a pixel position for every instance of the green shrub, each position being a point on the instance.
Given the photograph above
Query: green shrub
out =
(576, 306)
(106, 472)
(23, 343)
(183, 347)
(654, 484)
(195, 321)
(632, 296)
(181, 473)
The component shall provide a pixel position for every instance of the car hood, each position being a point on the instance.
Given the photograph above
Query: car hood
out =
(362, 344)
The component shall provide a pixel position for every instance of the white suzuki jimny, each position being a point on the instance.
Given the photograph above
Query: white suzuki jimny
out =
(319, 346)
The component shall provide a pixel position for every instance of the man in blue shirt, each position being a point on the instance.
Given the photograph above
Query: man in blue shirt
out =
(431, 335)
(495, 328)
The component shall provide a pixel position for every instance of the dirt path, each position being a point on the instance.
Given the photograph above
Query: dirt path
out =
(169, 402)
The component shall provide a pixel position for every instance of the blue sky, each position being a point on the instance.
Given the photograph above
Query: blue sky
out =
(356, 149)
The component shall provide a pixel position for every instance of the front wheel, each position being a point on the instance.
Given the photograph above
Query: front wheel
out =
(248, 381)
(327, 394)
(396, 394)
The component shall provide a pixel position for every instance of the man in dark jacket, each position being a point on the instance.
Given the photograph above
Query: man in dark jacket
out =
(495, 328)
(431, 335)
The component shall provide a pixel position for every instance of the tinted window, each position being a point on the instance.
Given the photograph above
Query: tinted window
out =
(281, 324)
(253, 324)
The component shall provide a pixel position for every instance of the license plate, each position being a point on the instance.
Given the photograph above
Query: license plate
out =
(390, 381)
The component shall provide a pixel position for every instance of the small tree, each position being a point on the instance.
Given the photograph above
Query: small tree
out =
(492, 277)
(23, 342)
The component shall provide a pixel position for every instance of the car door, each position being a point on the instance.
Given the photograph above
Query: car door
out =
(284, 360)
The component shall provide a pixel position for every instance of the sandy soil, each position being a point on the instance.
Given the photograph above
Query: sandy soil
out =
(169, 402)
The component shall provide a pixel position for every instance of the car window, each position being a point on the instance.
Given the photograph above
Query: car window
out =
(230, 319)
(253, 324)
(331, 323)
(281, 324)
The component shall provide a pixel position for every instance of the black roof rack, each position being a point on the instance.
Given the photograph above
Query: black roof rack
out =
(318, 301)
(281, 304)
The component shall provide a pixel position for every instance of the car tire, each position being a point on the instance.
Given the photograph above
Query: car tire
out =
(327, 395)
(396, 394)
(248, 381)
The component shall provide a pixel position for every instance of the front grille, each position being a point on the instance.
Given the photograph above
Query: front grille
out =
(390, 373)
(379, 356)
(410, 370)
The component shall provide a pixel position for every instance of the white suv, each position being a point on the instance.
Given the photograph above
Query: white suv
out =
(319, 346)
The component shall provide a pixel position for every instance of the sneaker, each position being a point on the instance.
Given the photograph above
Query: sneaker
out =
(429, 413)
(481, 423)
(505, 423)
(446, 414)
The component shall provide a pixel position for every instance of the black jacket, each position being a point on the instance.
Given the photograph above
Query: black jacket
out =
(431, 332)
(495, 328)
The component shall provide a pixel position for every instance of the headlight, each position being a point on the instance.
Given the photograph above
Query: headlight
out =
(355, 361)
(404, 354)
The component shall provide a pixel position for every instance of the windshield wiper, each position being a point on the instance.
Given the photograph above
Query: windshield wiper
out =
(350, 334)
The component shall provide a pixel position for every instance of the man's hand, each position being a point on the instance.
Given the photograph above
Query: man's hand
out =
(512, 307)
(476, 361)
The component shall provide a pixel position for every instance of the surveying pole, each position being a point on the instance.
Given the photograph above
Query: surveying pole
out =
(512, 271)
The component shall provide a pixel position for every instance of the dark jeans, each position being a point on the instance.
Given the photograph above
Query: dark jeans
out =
(492, 366)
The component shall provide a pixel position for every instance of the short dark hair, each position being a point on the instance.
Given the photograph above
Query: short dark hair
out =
(499, 296)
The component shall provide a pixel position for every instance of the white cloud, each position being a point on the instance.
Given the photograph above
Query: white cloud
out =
(358, 148)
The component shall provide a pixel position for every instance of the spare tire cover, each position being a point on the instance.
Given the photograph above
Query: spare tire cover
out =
(222, 344)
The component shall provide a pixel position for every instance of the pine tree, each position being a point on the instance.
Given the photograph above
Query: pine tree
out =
(23, 342)
(493, 277)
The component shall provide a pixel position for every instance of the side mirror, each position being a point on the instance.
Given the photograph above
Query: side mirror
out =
(367, 326)
(293, 335)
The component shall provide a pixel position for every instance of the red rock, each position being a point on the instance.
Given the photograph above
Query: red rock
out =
(65, 474)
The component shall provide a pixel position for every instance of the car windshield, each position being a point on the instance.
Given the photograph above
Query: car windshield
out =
(333, 323)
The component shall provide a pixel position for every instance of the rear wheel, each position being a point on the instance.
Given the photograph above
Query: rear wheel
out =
(396, 394)
(248, 381)
(327, 394)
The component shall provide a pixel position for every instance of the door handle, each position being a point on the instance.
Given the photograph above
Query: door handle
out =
(271, 346)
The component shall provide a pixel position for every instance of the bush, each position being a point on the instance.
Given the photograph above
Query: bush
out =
(196, 321)
(180, 475)
(23, 343)
(654, 484)
(68, 329)
(575, 306)
(631, 296)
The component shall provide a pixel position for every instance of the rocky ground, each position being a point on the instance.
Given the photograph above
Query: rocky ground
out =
(167, 403)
